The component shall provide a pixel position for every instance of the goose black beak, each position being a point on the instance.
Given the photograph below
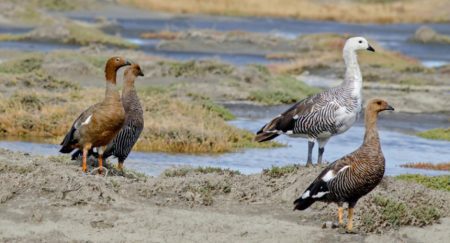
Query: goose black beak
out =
(128, 62)
(370, 48)
(389, 108)
(141, 73)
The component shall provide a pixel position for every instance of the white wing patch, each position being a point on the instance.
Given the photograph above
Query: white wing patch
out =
(343, 168)
(305, 195)
(87, 120)
(320, 194)
(328, 176)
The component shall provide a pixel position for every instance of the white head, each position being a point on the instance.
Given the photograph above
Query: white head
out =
(357, 43)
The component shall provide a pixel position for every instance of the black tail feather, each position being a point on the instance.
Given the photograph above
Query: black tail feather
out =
(263, 136)
(68, 142)
(302, 204)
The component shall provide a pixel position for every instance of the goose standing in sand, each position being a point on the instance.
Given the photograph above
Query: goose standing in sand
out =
(122, 144)
(348, 179)
(100, 123)
(325, 114)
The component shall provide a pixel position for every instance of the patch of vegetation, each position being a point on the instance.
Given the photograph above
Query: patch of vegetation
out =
(85, 35)
(206, 190)
(58, 5)
(210, 105)
(388, 212)
(217, 170)
(359, 11)
(433, 182)
(197, 68)
(437, 134)
(393, 212)
(176, 172)
(279, 171)
(283, 90)
(183, 171)
(428, 166)
(24, 64)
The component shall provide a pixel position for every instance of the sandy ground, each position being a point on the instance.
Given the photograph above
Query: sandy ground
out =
(49, 199)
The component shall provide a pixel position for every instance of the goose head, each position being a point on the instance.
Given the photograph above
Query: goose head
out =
(113, 64)
(134, 70)
(358, 43)
(377, 105)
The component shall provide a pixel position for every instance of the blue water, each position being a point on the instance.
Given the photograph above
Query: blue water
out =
(398, 148)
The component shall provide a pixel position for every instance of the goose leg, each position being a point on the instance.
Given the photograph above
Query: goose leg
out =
(350, 220)
(100, 159)
(85, 152)
(322, 143)
(120, 166)
(310, 148)
(351, 206)
(340, 215)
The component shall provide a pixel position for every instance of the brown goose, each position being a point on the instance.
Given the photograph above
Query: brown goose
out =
(122, 144)
(348, 179)
(100, 123)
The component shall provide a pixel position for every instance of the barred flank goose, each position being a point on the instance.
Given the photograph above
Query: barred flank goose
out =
(325, 114)
(121, 145)
(354, 175)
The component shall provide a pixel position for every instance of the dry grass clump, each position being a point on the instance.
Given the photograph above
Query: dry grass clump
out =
(176, 125)
(428, 166)
(162, 35)
(378, 11)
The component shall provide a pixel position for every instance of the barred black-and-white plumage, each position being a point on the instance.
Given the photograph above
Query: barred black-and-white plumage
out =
(325, 114)
(348, 179)
(121, 146)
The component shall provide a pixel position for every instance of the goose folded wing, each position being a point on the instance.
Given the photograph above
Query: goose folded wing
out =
(319, 187)
(84, 118)
(285, 122)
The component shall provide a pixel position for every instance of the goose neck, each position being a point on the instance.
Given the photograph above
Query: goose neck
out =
(352, 72)
(371, 135)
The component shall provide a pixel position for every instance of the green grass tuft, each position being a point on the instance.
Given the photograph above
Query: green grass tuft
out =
(183, 171)
(283, 90)
(279, 171)
(210, 105)
(393, 212)
(433, 182)
(437, 134)
(25, 64)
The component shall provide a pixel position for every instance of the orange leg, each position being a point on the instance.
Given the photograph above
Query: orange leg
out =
(120, 166)
(340, 215)
(100, 163)
(85, 152)
(350, 220)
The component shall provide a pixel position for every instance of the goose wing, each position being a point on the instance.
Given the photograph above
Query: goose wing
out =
(319, 187)
(310, 110)
(71, 138)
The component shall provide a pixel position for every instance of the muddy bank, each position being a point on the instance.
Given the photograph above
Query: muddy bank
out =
(49, 199)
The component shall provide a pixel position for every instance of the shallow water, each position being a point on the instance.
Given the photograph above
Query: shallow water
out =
(398, 149)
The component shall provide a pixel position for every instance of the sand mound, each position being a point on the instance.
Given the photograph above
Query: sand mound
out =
(43, 198)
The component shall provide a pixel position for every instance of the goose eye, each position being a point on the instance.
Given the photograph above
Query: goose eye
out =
(117, 59)
(379, 102)
(360, 41)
